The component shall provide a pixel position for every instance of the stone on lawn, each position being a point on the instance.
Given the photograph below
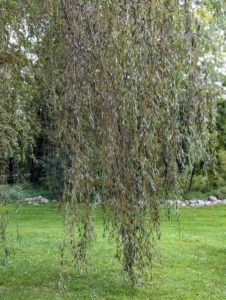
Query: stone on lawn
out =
(201, 202)
(39, 198)
(207, 202)
(29, 199)
(193, 202)
(171, 202)
(44, 200)
(212, 198)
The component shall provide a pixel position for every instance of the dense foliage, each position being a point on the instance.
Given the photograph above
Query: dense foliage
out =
(112, 100)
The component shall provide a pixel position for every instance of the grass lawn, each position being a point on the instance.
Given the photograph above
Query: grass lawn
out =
(190, 267)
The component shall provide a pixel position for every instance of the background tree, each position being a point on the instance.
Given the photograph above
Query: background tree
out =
(208, 177)
(17, 127)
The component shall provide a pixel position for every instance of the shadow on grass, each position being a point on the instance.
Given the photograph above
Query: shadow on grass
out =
(26, 280)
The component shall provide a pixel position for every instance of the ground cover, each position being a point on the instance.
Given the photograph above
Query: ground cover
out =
(190, 266)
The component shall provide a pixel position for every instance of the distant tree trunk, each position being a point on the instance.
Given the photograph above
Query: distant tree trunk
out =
(10, 170)
(192, 175)
(36, 166)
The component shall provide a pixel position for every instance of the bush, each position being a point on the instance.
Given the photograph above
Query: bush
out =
(220, 193)
(196, 195)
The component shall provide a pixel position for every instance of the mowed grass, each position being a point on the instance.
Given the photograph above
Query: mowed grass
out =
(191, 266)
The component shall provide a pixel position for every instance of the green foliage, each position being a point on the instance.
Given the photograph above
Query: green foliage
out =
(221, 157)
(220, 192)
(200, 183)
(139, 94)
(221, 124)
(196, 194)
(110, 101)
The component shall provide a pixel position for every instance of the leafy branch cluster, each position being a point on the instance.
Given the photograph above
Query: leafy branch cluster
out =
(114, 95)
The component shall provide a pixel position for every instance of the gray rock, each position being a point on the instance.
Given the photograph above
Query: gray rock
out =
(219, 201)
(193, 202)
(44, 200)
(39, 198)
(29, 199)
(201, 202)
(171, 202)
(36, 199)
(214, 203)
(207, 202)
(212, 198)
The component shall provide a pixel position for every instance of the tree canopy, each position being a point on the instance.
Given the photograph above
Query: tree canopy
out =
(117, 97)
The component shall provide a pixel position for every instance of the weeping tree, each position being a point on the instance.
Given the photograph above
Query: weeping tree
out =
(129, 107)
(139, 115)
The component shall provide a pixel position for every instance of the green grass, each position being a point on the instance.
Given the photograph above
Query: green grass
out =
(190, 267)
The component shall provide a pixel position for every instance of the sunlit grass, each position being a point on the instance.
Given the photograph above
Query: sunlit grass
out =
(191, 266)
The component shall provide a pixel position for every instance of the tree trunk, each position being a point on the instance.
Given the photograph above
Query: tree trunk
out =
(192, 174)
(10, 170)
